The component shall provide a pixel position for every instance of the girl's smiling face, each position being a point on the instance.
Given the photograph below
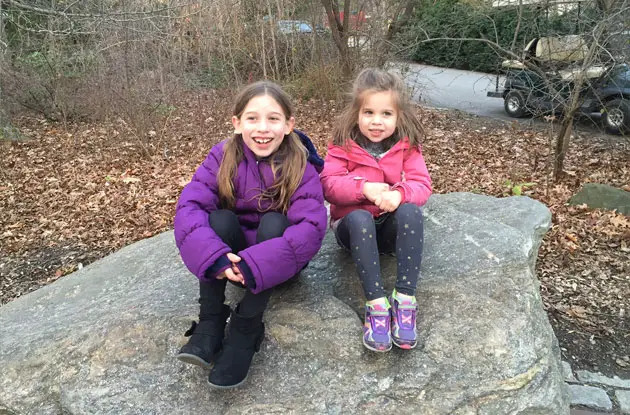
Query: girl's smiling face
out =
(378, 115)
(263, 125)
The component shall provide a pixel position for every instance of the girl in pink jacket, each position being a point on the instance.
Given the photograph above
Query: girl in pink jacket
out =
(376, 180)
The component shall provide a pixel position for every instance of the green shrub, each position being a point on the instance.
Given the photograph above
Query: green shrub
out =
(455, 19)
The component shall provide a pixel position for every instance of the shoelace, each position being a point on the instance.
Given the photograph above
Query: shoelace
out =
(406, 314)
(379, 321)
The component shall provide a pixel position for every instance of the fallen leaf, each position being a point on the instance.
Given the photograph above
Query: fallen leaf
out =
(620, 221)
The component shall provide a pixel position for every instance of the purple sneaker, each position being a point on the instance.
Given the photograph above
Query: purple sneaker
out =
(376, 331)
(404, 321)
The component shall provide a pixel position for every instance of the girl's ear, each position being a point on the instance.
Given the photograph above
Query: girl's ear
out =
(290, 125)
(236, 122)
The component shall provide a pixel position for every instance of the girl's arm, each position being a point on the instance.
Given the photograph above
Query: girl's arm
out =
(276, 260)
(198, 244)
(416, 185)
(340, 186)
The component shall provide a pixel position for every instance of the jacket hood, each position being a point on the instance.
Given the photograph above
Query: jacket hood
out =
(313, 157)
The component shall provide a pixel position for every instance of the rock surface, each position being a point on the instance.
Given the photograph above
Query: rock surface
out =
(596, 195)
(102, 340)
(623, 397)
(590, 396)
(590, 377)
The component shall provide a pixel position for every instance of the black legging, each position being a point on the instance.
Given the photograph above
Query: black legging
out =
(400, 232)
(225, 224)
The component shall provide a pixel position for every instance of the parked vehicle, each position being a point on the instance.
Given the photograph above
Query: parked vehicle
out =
(606, 88)
(289, 27)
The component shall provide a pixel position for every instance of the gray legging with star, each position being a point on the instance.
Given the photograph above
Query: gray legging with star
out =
(399, 232)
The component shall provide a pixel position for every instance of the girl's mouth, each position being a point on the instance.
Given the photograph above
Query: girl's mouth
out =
(260, 140)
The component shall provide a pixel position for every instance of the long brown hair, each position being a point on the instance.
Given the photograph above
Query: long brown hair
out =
(372, 80)
(287, 163)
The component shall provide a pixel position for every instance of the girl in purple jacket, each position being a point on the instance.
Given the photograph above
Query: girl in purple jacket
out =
(253, 214)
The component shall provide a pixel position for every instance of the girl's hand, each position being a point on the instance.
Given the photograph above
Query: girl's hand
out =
(233, 258)
(389, 201)
(372, 190)
(233, 273)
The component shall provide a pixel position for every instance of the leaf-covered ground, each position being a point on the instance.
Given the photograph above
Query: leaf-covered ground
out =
(75, 193)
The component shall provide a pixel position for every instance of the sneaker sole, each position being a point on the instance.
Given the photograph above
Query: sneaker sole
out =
(236, 385)
(367, 346)
(193, 360)
(405, 346)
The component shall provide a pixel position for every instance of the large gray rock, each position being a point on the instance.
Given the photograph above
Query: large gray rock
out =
(596, 195)
(102, 340)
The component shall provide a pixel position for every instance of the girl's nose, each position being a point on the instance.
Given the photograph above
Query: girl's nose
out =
(262, 125)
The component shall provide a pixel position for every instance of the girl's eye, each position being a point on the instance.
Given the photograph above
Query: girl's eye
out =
(367, 112)
(388, 113)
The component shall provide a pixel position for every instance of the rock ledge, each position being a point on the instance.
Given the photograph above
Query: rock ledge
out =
(102, 340)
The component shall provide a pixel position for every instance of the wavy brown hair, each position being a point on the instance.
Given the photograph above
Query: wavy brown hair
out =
(372, 80)
(287, 163)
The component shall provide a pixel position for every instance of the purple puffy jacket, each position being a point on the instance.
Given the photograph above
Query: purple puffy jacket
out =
(271, 262)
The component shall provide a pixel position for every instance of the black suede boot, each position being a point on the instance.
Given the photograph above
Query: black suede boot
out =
(245, 334)
(205, 340)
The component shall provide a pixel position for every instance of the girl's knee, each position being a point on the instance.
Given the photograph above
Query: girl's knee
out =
(272, 225)
(409, 211)
(359, 218)
(223, 221)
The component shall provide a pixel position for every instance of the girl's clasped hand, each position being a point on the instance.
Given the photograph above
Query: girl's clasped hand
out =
(233, 273)
(382, 196)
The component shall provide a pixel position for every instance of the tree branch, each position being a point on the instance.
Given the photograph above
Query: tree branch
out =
(65, 14)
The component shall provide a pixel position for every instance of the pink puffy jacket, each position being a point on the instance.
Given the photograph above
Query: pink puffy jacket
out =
(346, 169)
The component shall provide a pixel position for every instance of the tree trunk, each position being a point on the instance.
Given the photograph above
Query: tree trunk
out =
(3, 51)
(340, 32)
(274, 47)
(263, 51)
(400, 18)
(3, 44)
(562, 144)
(564, 136)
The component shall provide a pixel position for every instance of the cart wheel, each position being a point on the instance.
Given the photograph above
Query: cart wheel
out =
(514, 104)
(617, 116)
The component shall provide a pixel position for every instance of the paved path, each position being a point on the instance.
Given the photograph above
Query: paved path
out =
(592, 393)
(454, 88)
(467, 91)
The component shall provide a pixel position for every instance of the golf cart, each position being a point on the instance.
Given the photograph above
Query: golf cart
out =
(526, 92)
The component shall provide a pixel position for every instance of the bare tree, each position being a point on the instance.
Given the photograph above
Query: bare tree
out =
(363, 31)
(97, 59)
(340, 29)
(403, 11)
(3, 49)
